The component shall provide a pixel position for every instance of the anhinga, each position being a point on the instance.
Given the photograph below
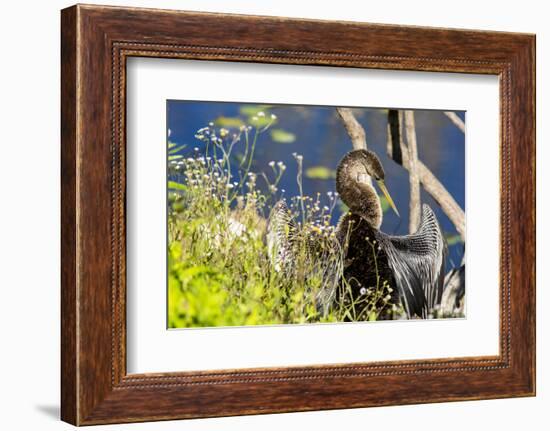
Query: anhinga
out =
(413, 265)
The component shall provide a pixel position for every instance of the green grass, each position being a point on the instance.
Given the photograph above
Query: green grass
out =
(219, 270)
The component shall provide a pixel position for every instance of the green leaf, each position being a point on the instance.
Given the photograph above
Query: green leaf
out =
(175, 150)
(282, 136)
(175, 157)
(320, 173)
(453, 239)
(176, 186)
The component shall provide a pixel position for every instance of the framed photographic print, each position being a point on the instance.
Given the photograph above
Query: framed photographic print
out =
(265, 214)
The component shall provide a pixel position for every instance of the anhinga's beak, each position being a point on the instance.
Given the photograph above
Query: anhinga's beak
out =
(387, 194)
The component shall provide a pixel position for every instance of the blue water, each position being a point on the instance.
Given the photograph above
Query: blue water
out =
(322, 140)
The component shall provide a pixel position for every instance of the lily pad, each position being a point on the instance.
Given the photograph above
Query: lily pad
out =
(320, 173)
(229, 122)
(282, 136)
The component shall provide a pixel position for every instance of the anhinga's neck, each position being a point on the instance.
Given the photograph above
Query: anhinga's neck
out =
(359, 196)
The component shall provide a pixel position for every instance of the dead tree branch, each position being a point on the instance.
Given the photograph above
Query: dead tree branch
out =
(354, 129)
(414, 180)
(400, 154)
(452, 301)
(456, 120)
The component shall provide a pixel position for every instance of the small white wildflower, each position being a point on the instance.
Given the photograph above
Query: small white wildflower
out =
(229, 186)
(254, 119)
(271, 163)
(199, 136)
(325, 208)
(205, 177)
(169, 132)
(363, 291)
(223, 132)
(273, 117)
(272, 188)
(235, 184)
(211, 124)
(190, 159)
(261, 114)
(299, 157)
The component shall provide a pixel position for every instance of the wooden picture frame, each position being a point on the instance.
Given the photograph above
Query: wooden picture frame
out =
(95, 43)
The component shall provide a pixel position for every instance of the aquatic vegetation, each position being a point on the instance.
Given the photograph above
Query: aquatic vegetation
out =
(219, 269)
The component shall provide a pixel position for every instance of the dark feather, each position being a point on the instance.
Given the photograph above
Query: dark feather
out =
(418, 264)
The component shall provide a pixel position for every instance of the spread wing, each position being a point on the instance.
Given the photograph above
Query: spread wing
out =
(418, 263)
(282, 242)
(281, 229)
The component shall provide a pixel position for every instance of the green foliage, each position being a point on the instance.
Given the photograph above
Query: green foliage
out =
(173, 185)
(453, 239)
(219, 267)
(175, 148)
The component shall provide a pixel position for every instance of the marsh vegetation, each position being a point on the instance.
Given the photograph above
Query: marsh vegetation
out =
(220, 195)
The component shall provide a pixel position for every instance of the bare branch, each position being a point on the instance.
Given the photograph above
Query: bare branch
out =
(452, 301)
(456, 120)
(428, 180)
(355, 130)
(414, 180)
(394, 144)
(444, 199)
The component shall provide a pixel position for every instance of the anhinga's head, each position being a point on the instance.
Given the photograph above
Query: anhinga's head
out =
(353, 177)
